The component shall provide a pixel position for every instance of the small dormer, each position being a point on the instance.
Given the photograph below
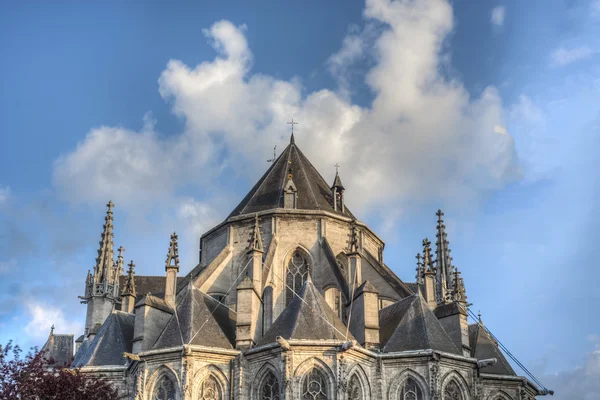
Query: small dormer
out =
(290, 193)
(337, 193)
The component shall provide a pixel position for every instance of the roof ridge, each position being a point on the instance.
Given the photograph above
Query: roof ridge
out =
(312, 192)
(426, 326)
(265, 176)
(282, 186)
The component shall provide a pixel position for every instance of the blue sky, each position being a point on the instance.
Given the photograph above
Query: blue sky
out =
(488, 110)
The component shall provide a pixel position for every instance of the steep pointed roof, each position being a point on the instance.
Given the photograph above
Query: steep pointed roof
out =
(58, 348)
(409, 324)
(484, 347)
(307, 317)
(113, 339)
(314, 192)
(337, 182)
(200, 320)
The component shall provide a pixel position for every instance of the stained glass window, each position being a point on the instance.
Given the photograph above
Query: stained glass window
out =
(297, 274)
(210, 390)
(410, 390)
(452, 391)
(164, 389)
(355, 389)
(269, 389)
(315, 386)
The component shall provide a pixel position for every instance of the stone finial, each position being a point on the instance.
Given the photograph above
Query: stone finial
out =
(428, 263)
(129, 288)
(354, 245)
(419, 268)
(172, 260)
(256, 243)
(459, 293)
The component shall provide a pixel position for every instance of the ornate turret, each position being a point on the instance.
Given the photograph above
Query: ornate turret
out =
(459, 293)
(443, 261)
(256, 243)
(428, 275)
(337, 191)
(128, 295)
(102, 287)
(172, 267)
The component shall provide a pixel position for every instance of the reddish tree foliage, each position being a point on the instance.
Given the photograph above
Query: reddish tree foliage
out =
(30, 378)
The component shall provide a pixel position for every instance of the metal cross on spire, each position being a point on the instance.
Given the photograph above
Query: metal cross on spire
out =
(292, 123)
(337, 168)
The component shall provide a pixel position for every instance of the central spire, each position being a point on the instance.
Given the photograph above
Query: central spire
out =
(444, 261)
(104, 261)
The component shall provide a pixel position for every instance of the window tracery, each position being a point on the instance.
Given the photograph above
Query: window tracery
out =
(355, 389)
(452, 391)
(164, 389)
(269, 389)
(297, 273)
(210, 390)
(315, 386)
(411, 390)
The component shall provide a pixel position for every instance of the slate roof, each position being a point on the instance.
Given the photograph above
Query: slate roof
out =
(107, 348)
(59, 349)
(148, 284)
(314, 193)
(409, 324)
(483, 346)
(306, 318)
(200, 320)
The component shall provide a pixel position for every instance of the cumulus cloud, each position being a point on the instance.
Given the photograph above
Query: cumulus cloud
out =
(497, 15)
(423, 136)
(4, 194)
(42, 316)
(582, 382)
(565, 56)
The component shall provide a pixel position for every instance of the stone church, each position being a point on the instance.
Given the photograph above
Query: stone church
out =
(291, 299)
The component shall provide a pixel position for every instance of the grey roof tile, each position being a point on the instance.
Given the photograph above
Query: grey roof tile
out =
(59, 349)
(409, 324)
(483, 346)
(307, 317)
(200, 320)
(148, 284)
(107, 348)
(314, 192)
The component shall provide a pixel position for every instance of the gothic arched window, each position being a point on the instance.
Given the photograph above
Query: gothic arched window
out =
(269, 389)
(355, 389)
(164, 389)
(314, 386)
(411, 390)
(210, 389)
(452, 391)
(297, 273)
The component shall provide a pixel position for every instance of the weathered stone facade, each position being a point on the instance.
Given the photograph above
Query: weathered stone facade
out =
(291, 299)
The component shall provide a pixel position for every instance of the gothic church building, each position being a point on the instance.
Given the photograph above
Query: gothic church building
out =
(291, 299)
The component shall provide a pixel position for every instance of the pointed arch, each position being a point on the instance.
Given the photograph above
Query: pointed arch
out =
(358, 387)
(298, 265)
(408, 385)
(266, 384)
(210, 383)
(317, 381)
(164, 383)
(454, 387)
(499, 395)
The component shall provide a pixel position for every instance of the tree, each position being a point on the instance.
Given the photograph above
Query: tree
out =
(34, 378)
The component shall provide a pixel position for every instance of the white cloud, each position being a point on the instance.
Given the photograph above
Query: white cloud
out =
(43, 316)
(497, 15)
(580, 383)
(4, 194)
(564, 56)
(422, 137)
